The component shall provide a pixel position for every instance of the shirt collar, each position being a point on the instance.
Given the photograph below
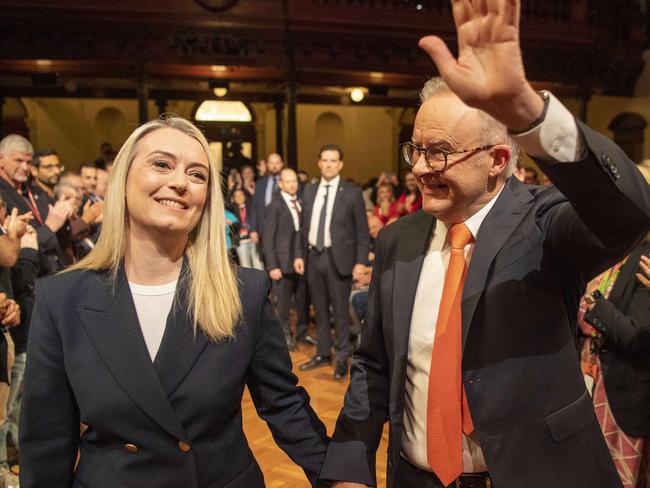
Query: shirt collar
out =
(288, 197)
(333, 183)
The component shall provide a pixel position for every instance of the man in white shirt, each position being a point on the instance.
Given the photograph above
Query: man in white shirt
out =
(337, 238)
(284, 255)
(487, 277)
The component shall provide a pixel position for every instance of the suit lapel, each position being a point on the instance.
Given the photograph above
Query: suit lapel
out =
(508, 211)
(338, 198)
(180, 348)
(408, 266)
(111, 322)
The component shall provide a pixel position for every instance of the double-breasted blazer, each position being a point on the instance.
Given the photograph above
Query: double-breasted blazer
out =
(534, 253)
(348, 225)
(174, 422)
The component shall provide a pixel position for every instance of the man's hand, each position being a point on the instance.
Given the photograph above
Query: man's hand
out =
(489, 72)
(11, 317)
(16, 225)
(275, 274)
(644, 278)
(29, 239)
(299, 266)
(358, 271)
(255, 237)
(59, 213)
(348, 484)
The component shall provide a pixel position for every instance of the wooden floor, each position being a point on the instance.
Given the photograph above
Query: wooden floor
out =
(326, 399)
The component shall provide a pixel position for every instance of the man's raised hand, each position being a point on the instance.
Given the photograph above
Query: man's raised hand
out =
(489, 72)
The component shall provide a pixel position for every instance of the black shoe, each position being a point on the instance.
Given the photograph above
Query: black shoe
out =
(316, 362)
(307, 340)
(291, 345)
(340, 370)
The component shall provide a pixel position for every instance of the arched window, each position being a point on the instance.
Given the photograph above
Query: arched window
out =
(329, 130)
(628, 133)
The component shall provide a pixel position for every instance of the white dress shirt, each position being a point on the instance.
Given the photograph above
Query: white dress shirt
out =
(290, 200)
(318, 205)
(556, 139)
(152, 306)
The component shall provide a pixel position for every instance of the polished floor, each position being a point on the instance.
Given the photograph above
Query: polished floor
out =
(326, 399)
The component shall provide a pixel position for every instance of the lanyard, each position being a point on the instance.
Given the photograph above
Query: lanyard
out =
(31, 203)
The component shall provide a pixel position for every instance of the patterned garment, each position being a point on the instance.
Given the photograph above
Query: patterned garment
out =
(631, 455)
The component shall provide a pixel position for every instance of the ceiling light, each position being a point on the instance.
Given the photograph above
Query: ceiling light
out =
(219, 87)
(357, 94)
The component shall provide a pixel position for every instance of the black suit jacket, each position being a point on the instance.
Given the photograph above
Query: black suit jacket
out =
(624, 320)
(534, 253)
(259, 204)
(282, 243)
(348, 227)
(88, 362)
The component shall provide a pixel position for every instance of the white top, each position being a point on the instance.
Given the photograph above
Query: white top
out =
(555, 139)
(152, 305)
(289, 200)
(318, 205)
(421, 338)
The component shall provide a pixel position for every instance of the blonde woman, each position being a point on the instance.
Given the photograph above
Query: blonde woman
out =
(151, 339)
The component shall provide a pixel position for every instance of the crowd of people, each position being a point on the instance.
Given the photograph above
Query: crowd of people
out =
(502, 325)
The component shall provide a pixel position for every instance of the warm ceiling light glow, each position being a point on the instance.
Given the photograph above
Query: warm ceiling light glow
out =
(220, 91)
(357, 95)
(218, 68)
(43, 62)
(222, 111)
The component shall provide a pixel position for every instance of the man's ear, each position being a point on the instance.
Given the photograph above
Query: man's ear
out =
(501, 155)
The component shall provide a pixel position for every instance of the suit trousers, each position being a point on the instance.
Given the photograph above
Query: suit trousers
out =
(292, 284)
(407, 476)
(328, 288)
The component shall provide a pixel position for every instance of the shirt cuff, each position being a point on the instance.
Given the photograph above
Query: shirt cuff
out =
(556, 139)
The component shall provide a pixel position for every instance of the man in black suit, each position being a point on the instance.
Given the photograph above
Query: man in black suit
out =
(336, 233)
(284, 255)
(265, 189)
(517, 413)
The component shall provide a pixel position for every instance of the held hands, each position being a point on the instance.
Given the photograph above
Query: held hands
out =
(9, 311)
(299, 266)
(275, 274)
(59, 213)
(489, 72)
(358, 271)
(93, 213)
(255, 237)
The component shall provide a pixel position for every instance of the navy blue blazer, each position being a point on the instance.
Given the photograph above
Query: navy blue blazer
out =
(174, 422)
(534, 253)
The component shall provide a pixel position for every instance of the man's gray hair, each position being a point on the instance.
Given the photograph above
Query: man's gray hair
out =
(15, 142)
(493, 131)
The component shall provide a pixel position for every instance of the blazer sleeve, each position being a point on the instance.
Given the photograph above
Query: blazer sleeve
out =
(351, 455)
(269, 231)
(629, 330)
(256, 221)
(49, 421)
(361, 225)
(282, 404)
(608, 211)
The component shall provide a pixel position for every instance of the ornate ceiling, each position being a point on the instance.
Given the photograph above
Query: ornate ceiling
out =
(174, 47)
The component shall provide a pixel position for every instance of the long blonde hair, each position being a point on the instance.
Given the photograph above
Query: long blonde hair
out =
(215, 306)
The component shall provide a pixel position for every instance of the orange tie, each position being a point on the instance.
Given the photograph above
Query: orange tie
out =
(447, 411)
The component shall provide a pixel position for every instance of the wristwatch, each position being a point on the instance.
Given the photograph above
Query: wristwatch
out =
(546, 98)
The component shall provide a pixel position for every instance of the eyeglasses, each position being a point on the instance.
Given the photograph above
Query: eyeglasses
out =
(435, 157)
(46, 167)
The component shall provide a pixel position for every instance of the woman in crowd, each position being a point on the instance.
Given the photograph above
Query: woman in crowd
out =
(151, 339)
(386, 208)
(411, 199)
(615, 317)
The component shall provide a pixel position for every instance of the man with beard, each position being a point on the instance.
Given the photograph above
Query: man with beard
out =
(46, 171)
